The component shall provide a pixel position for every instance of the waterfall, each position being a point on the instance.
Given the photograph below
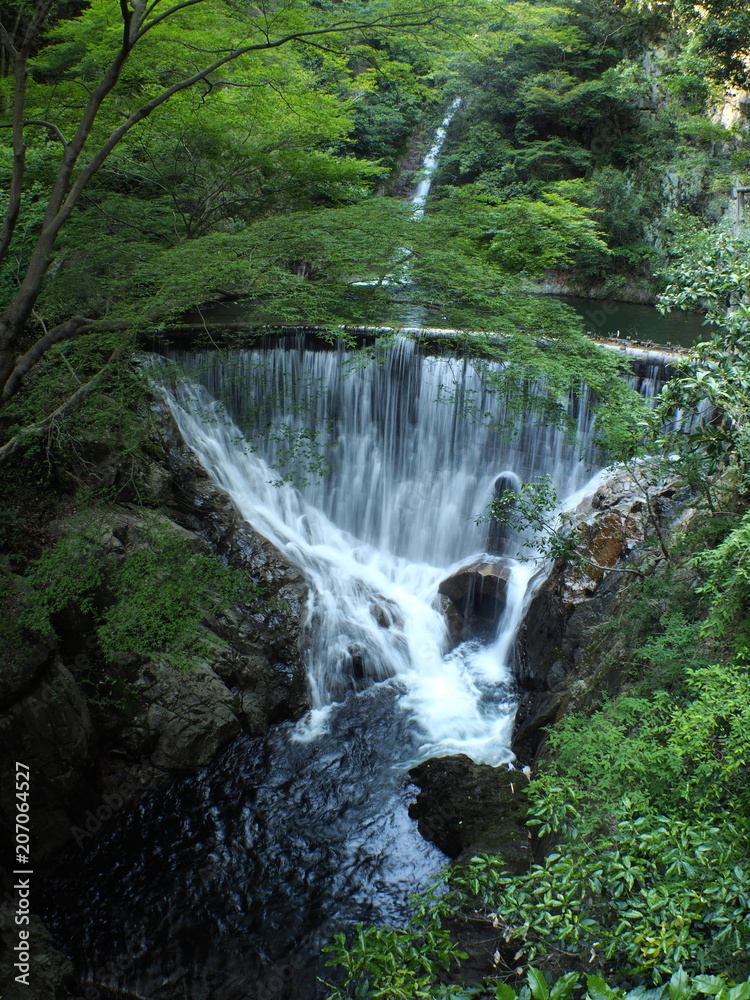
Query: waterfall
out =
(229, 882)
(431, 161)
(415, 444)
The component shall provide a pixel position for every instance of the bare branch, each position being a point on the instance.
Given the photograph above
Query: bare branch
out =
(613, 569)
(29, 434)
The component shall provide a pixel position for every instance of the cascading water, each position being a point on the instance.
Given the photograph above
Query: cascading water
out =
(415, 444)
(419, 197)
(227, 884)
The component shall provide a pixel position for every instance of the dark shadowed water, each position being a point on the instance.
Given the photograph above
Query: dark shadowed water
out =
(228, 883)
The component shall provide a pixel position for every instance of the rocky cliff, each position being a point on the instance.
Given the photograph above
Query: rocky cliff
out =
(94, 731)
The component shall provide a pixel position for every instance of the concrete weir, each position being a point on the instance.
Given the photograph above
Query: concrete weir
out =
(648, 360)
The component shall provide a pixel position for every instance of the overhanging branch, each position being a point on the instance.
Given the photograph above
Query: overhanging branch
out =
(37, 430)
(50, 125)
(73, 327)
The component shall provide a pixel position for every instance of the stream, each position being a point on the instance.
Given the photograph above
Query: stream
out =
(228, 884)
(233, 880)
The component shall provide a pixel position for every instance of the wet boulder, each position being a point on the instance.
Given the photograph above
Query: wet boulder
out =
(386, 613)
(466, 808)
(477, 593)
(457, 631)
(184, 717)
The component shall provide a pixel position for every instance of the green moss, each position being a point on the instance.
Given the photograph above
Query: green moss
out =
(149, 597)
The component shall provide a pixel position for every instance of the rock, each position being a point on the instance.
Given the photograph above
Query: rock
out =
(478, 592)
(269, 690)
(536, 710)
(22, 667)
(466, 808)
(50, 968)
(457, 632)
(49, 730)
(542, 631)
(386, 613)
(185, 716)
(612, 524)
(258, 656)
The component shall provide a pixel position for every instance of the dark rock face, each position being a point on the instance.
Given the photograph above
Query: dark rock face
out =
(500, 537)
(466, 808)
(156, 719)
(477, 594)
(570, 601)
(23, 669)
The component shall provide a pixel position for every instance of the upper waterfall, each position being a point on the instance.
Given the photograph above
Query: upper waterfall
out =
(431, 161)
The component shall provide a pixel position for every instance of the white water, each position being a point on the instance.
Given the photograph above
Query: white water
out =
(431, 161)
(410, 474)
(401, 274)
(415, 445)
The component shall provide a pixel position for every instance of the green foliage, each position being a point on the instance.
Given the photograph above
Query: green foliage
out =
(710, 271)
(109, 420)
(649, 808)
(723, 30)
(532, 237)
(659, 892)
(395, 964)
(561, 94)
(647, 802)
(534, 509)
(714, 384)
(679, 986)
(726, 571)
(149, 597)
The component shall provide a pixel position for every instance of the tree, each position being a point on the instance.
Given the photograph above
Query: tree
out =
(724, 29)
(131, 59)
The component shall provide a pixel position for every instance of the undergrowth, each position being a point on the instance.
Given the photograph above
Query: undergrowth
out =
(149, 596)
(641, 806)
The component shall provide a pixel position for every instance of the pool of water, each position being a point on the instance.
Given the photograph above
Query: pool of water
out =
(602, 317)
(631, 320)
